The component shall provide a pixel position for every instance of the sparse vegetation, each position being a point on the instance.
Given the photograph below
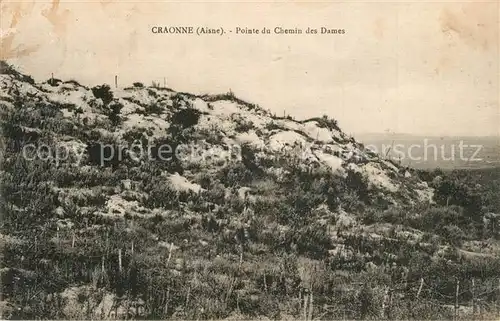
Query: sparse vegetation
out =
(185, 118)
(243, 125)
(325, 122)
(268, 236)
(104, 93)
(73, 82)
(153, 109)
(54, 82)
(114, 112)
(272, 126)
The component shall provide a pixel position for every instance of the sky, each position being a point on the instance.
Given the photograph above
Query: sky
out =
(425, 68)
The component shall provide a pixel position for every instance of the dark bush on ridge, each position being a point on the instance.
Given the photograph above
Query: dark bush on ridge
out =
(186, 117)
(103, 92)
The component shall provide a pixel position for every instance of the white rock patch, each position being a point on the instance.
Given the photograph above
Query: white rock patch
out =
(317, 133)
(334, 162)
(201, 105)
(251, 138)
(180, 183)
(286, 138)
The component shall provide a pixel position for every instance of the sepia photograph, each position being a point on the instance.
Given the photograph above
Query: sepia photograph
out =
(249, 160)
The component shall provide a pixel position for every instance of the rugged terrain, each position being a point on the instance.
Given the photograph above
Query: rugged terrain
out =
(256, 216)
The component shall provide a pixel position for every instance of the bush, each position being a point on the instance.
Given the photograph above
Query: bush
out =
(102, 154)
(436, 218)
(272, 126)
(242, 125)
(73, 82)
(325, 122)
(153, 109)
(312, 241)
(54, 82)
(236, 175)
(249, 159)
(138, 84)
(114, 113)
(455, 189)
(357, 182)
(350, 201)
(453, 235)
(367, 301)
(163, 195)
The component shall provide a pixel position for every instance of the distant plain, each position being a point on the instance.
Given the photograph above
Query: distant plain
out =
(429, 152)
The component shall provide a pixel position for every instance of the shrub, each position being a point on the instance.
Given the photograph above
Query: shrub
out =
(312, 240)
(54, 82)
(272, 126)
(236, 175)
(185, 118)
(135, 134)
(162, 195)
(114, 113)
(453, 235)
(205, 180)
(103, 92)
(242, 125)
(458, 188)
(357, 182)
(367, 301)
(25, 187)
(350, 202)
(325, 122)
(249, 159)
(153, 108)
(436, 218)
(138, 84)
(102, 154)
(73, 82)
(153, 93)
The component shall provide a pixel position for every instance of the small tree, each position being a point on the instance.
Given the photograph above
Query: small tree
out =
(114, 113)
(187, 117)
